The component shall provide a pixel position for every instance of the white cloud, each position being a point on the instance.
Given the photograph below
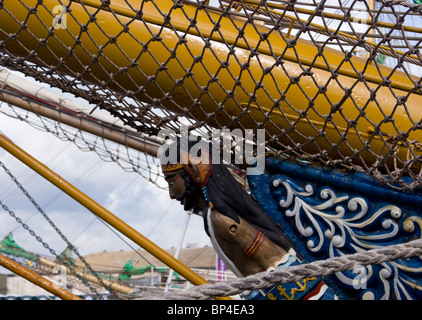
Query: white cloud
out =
(137, 202)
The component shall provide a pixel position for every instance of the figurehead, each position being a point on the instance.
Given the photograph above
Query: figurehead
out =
(242, 234)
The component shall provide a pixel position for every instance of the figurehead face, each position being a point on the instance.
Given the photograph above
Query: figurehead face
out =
(183, 189)
(188, 176)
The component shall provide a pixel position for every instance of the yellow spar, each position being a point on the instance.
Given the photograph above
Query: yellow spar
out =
(163, 51)
(36, 279)
(102, 213)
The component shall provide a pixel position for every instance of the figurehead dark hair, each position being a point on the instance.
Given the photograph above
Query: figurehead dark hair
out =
(224, 194)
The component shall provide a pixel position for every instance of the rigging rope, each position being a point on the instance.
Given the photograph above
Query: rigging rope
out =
(291, 274)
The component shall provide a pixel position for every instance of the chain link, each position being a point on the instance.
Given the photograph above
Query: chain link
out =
(59, 232)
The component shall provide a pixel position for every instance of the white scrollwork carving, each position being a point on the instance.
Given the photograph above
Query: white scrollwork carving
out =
(336, 217)
(337, 224)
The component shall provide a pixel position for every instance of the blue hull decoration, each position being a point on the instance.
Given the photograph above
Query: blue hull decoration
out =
(328, 213)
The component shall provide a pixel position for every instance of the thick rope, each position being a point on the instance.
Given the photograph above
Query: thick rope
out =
(295, 273)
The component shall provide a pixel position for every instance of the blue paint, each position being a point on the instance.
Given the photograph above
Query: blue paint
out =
(352, 182)
(377, 202)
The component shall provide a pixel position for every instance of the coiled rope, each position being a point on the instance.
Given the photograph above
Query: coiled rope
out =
(295, 273)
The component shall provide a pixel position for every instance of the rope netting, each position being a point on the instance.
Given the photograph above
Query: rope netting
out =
(334, 82)
(88, 133)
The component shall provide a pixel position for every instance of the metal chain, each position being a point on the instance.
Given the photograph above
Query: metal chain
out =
(25, 226)
(45, 245)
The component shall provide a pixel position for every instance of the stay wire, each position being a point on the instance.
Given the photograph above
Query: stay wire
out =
(111, 229)
(55, 197)
(54, 227)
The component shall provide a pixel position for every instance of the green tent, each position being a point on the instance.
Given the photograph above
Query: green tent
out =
(129, 270)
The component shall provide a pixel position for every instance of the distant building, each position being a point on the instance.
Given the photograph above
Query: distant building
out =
(146, 275)
(12, 285)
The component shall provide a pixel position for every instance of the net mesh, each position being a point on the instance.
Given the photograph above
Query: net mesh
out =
(336, 83)
(128, 157)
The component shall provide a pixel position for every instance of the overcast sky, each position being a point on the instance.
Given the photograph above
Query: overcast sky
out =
(129, 196)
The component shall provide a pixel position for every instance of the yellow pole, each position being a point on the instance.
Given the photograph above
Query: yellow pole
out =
(307, 103)
(101, 212)
(37, 279)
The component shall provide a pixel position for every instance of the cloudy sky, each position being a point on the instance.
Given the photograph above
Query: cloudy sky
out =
(129, 196)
